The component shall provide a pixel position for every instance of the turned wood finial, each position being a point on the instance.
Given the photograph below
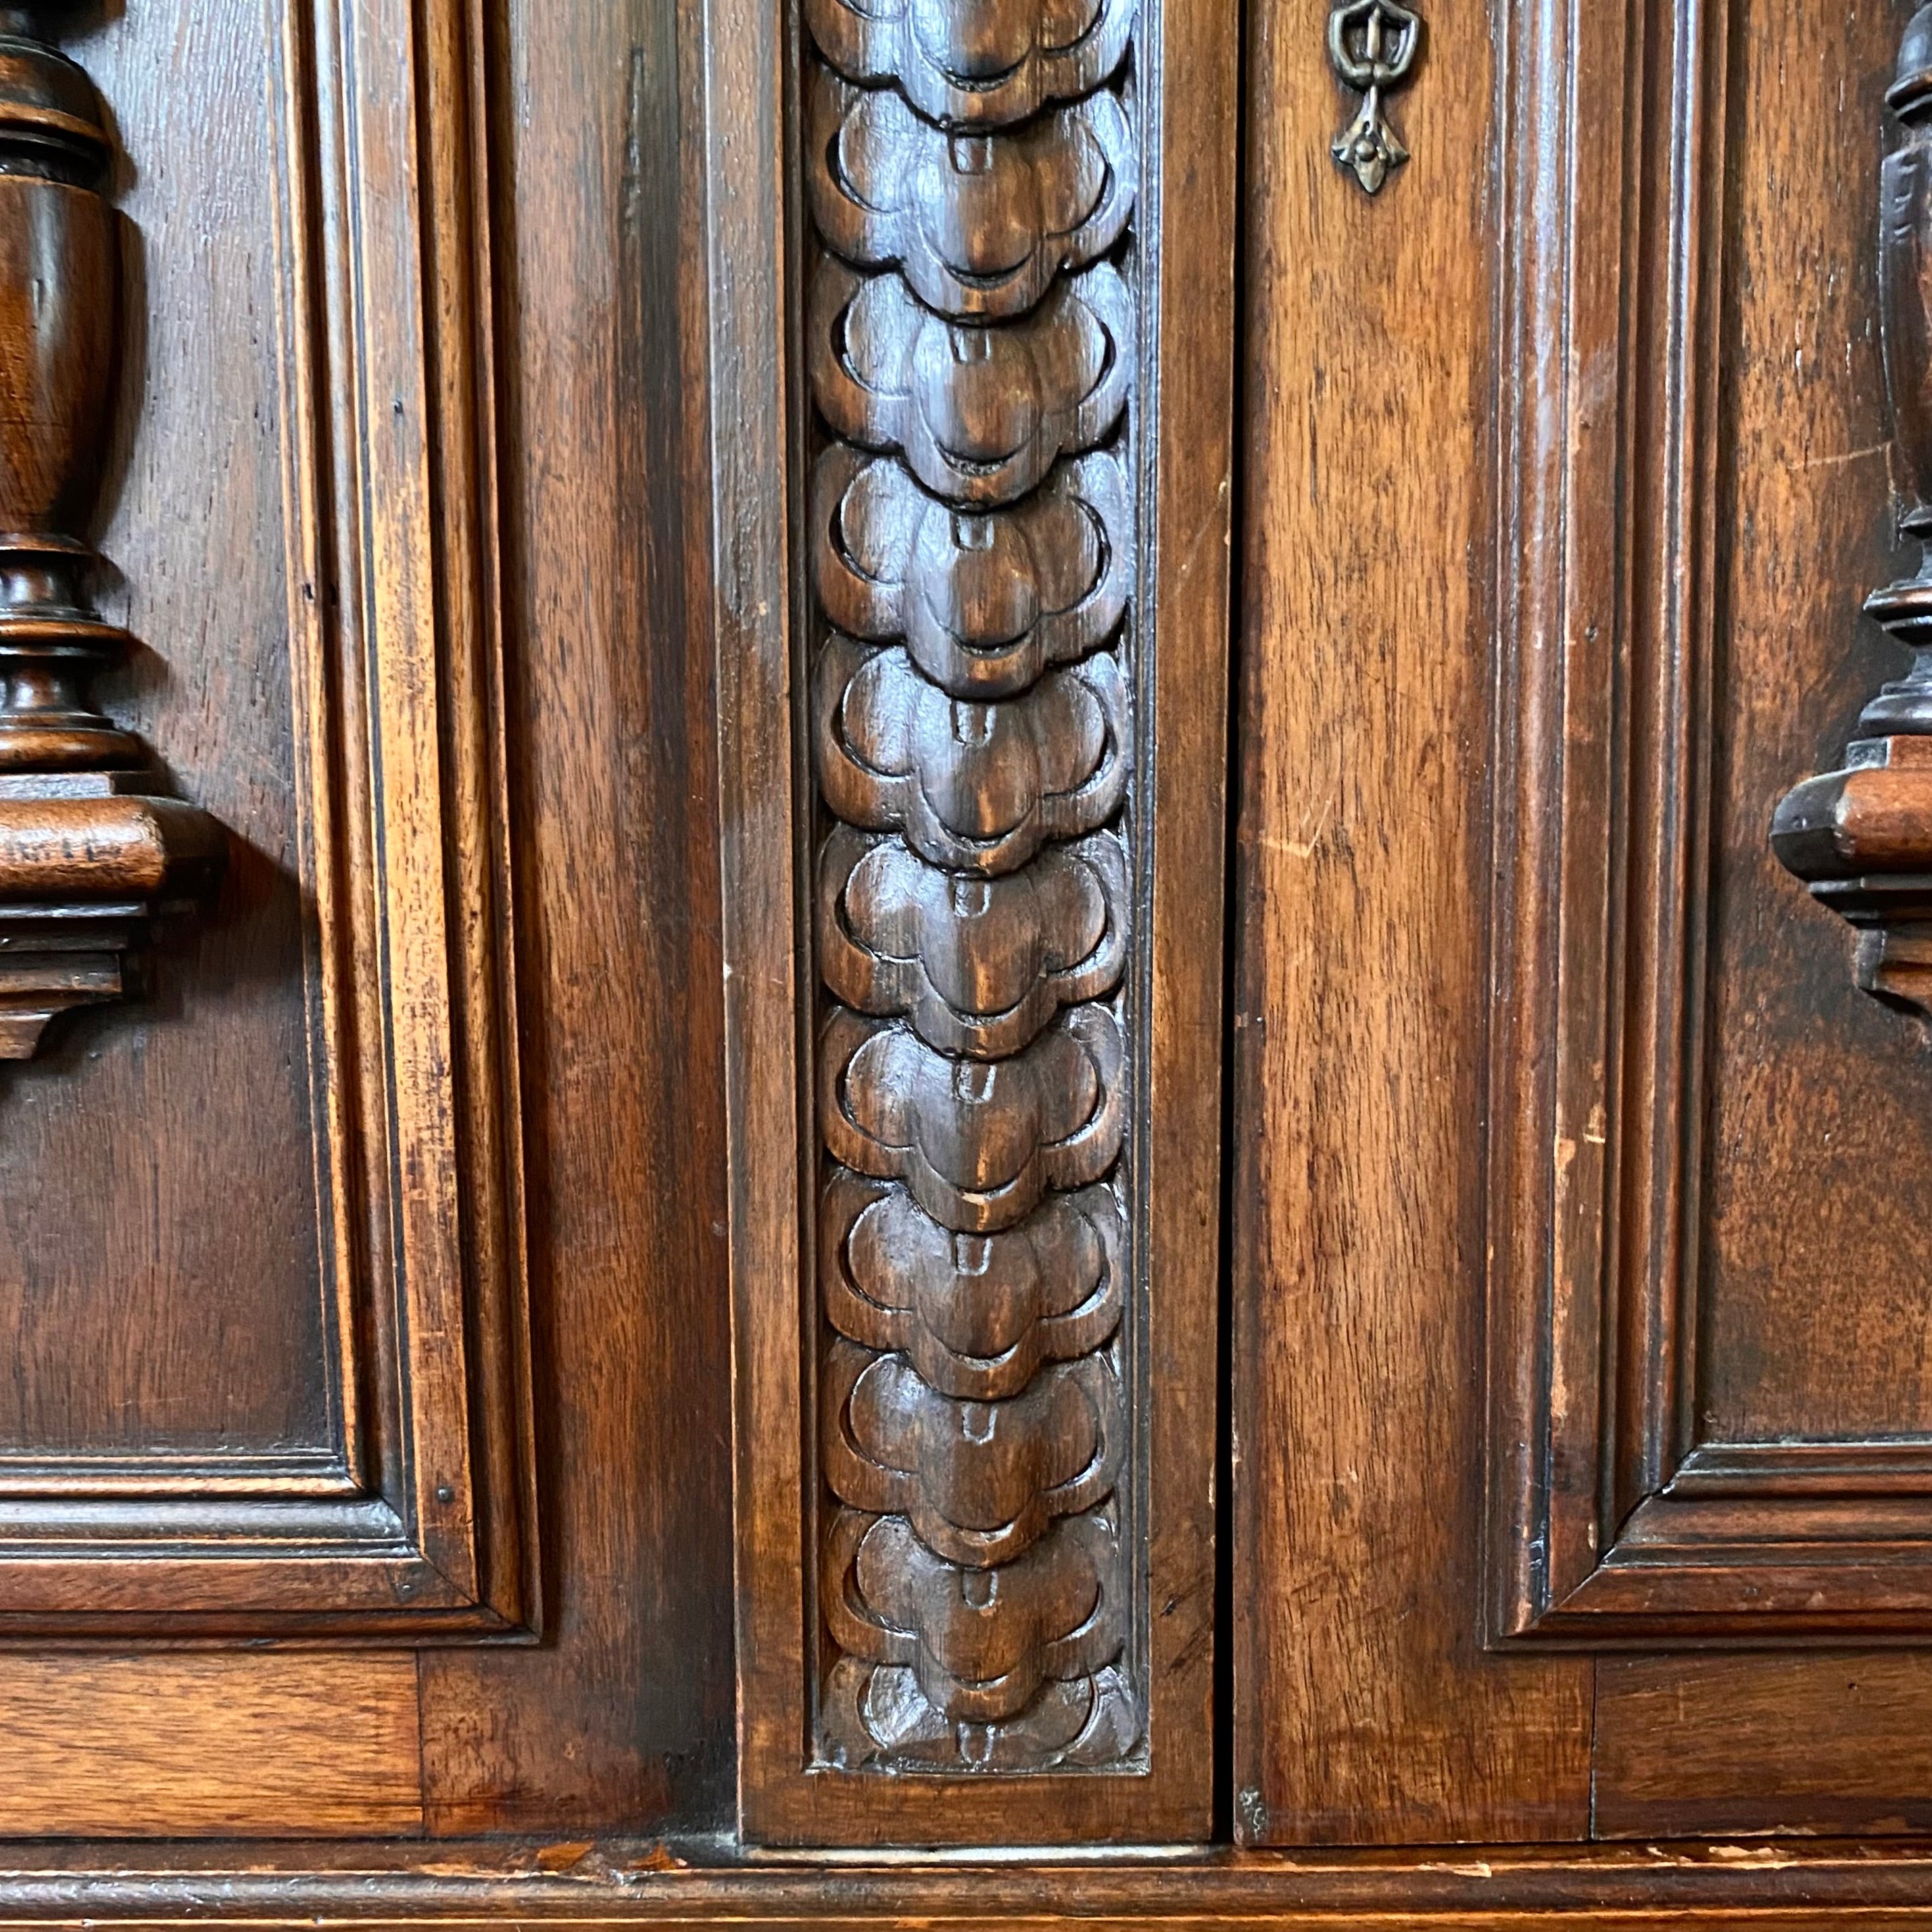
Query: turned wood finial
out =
(59, 328)
(1860, 837)
(89, 852)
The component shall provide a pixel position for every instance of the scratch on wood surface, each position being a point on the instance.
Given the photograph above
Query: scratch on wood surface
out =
(1845, 456)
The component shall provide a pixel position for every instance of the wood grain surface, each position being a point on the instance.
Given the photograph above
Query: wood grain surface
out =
(1365, 1710)
(302, 1746)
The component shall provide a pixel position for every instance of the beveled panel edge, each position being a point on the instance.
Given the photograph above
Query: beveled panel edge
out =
(1605, 653)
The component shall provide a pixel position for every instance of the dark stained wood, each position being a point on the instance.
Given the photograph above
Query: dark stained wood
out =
(1364, 1710)
(1861, 837)
(623, 1718)
(1831, 1746)
(1789, 1886)
(978, 1564)
(380, 1482)
(1814, 1089)
(550, 438)
(86, 863)
(1691, 1436)
(1008, 698)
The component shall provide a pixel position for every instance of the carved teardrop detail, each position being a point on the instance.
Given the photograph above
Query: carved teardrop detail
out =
(976, 788)
(979, 1481)
(980, 413)
(984, 602)
(972, 336)
(979, 224)
(979, 1143)
(978, 965)
(981, 1643)
(975, 63)
(976, 1314)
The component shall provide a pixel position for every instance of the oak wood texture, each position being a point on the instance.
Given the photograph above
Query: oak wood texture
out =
(1832, 1745)
(622, 1719)
(390, 1496)
(978, 1556)
(297, 1746)
(993, 1553)
(1667, 1460)
(1364, 1710)
(87, 862)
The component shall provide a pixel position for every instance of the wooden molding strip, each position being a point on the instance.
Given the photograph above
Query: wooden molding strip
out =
(972, 663)
(1763, 1884)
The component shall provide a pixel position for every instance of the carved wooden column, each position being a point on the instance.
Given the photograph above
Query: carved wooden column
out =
(90, 851)
(971, 339)
(1861, 837)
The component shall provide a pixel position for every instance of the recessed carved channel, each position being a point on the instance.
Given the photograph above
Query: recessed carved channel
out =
(972, 341)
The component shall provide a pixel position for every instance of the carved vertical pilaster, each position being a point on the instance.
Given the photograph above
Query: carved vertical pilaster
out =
(972, 340)
(1860, 837)
(89, 851)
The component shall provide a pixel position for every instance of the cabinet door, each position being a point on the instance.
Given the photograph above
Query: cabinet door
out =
(1581, 1270)
(361, 1173)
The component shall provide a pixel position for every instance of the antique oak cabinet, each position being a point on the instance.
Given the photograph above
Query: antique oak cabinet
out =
(966, 963)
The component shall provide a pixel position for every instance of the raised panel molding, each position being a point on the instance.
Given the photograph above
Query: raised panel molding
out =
(416, 1520)
(1612, 1520)
(973, 921)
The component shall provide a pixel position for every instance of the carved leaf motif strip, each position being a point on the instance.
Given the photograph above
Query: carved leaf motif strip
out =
(971, 334)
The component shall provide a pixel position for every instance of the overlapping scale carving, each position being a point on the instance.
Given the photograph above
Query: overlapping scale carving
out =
(980, 414)
(978, 1481)
(972, 337)
(974, 787)
(978, 1142)
(1089, 1719)
(976, 1315)
(978, 965)
(981, 1643)
(982, 63)
(984, 602)
(979, 224)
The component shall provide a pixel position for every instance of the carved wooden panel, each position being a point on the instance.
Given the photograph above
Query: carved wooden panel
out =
(1662, 1461)
(1009, 726)
(383, 1489)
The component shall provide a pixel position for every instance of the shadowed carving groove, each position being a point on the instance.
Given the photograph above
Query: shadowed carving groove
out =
(978, 965)
(976, 1315)
(980, 414)
(978, 1142)
(974, 787)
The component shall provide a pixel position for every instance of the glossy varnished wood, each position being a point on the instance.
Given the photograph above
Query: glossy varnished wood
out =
(1007, 655)
(186, 1746)
(1673, 1455)
(624, 1716)
(85, 868)
(392, 1486)
(1790, 1887)
(1364, 1709)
